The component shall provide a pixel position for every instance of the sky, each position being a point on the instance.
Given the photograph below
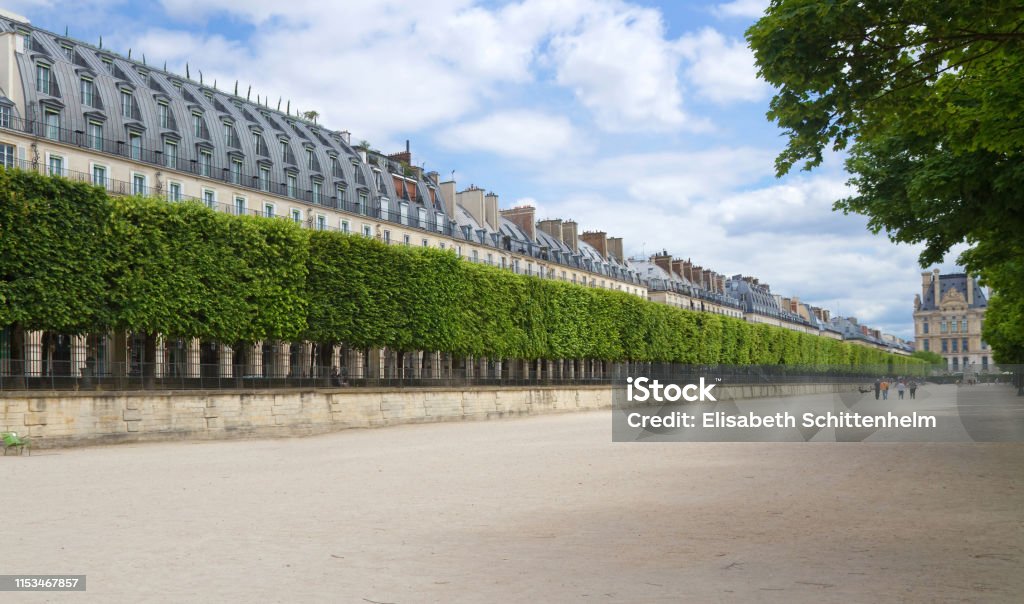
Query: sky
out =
(642, 119)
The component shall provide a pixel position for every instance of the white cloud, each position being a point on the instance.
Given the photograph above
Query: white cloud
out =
(721, 69)
(747, 9)
(620, 66)
(517, 134)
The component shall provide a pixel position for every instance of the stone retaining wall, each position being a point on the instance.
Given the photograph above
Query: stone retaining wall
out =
(63, 419)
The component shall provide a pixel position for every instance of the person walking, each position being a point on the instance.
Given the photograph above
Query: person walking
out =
(885, 390)
(878, 387)
(900, 387)
(913, 389)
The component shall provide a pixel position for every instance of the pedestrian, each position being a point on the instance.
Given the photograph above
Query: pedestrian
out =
(900, 387)
(885, 390)
(878, 387)
(913, 389)
(335, 377)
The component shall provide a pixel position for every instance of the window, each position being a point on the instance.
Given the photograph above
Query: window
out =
(441, 245)
(209, 198)
(344, 226)
(174, 191)
(264, 179)
(268, 210)
(367, 232)
(956, 345)
(956, 363)
(88, 90)
(43, 78)
(924, 327)
(205, 162)
(135, 145)
(476, 256)
(423, 218)
(230, 135)
(963, 326)
(199, 126)
(52, 119)
(321, 222)
(339, 190)
(126, 103)
(439, 222)
(69, 52)
(171, 154)
(5, 116)
(309, 157)
(943, 328)
(406, 240)
(963, 345)
(7, 155)
(385, 208)
(165, 114)
(236, 171)
(426, 243)
(292, 186)
(239, 205)
(261, 146)
(108, 64)
(56, 165)
(317, 191)
(361, 206)
(387, 236)
(336, 167)
(138, 184)
(984, 363)
(945, 345)
(954, 326)
(99, 176)
(296, 215)
(286, 152)
(95, 136)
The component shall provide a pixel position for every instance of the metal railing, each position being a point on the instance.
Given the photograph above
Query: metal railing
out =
(63, 375)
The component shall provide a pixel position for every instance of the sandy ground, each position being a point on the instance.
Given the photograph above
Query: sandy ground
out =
(543, 509)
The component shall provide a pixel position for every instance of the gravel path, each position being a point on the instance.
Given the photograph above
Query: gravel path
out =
(542, 509)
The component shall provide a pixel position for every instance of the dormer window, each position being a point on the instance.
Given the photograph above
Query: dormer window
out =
(309, 157)
(264, 178)
(260, 144)
(108, 64)
(88, 89)
(199, 129)
(127, 103)
(69, 52)
(230, 135)
(164, 112)
(43, 78)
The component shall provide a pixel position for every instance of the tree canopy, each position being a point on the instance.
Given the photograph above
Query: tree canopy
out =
(927, 99)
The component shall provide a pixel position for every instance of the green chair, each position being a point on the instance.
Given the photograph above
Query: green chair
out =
(13, 441)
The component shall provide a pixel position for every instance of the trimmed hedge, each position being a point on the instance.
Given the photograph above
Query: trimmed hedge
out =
(74, 260)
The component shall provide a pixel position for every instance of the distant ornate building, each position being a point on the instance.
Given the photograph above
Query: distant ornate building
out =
(948, 317)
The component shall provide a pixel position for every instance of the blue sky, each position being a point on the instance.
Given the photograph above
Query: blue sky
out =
(642, 119)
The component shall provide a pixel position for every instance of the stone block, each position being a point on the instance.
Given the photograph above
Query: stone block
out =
(214, 423)
(132, 415)
(132, 426)
(36, 419)
(37, 404)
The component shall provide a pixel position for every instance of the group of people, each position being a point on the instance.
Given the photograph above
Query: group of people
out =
(900, 385)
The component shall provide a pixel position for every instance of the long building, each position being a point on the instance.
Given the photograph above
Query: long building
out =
(72, 109)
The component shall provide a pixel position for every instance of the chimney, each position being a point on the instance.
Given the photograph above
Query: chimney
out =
(552, 227)
(597, 240)
(935, 286)
(472, 199)
(663, 261)
(522, 217)
(698, 277)
(688, 271)
(970, 291)
(615, 248)
(346, 136)
(721, 284)
(679, 268)
(448, 196)
(570, 235)
(491, 210)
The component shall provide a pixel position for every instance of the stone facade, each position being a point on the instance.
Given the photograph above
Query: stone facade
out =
(948, 317)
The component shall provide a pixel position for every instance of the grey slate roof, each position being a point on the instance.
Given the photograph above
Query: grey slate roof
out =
(957, 281)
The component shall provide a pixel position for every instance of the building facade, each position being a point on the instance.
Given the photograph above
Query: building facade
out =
(949, 314)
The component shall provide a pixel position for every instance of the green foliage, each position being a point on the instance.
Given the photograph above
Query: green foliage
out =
(926, 96)
(54, 253)
(183, 270)
(932, 358)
